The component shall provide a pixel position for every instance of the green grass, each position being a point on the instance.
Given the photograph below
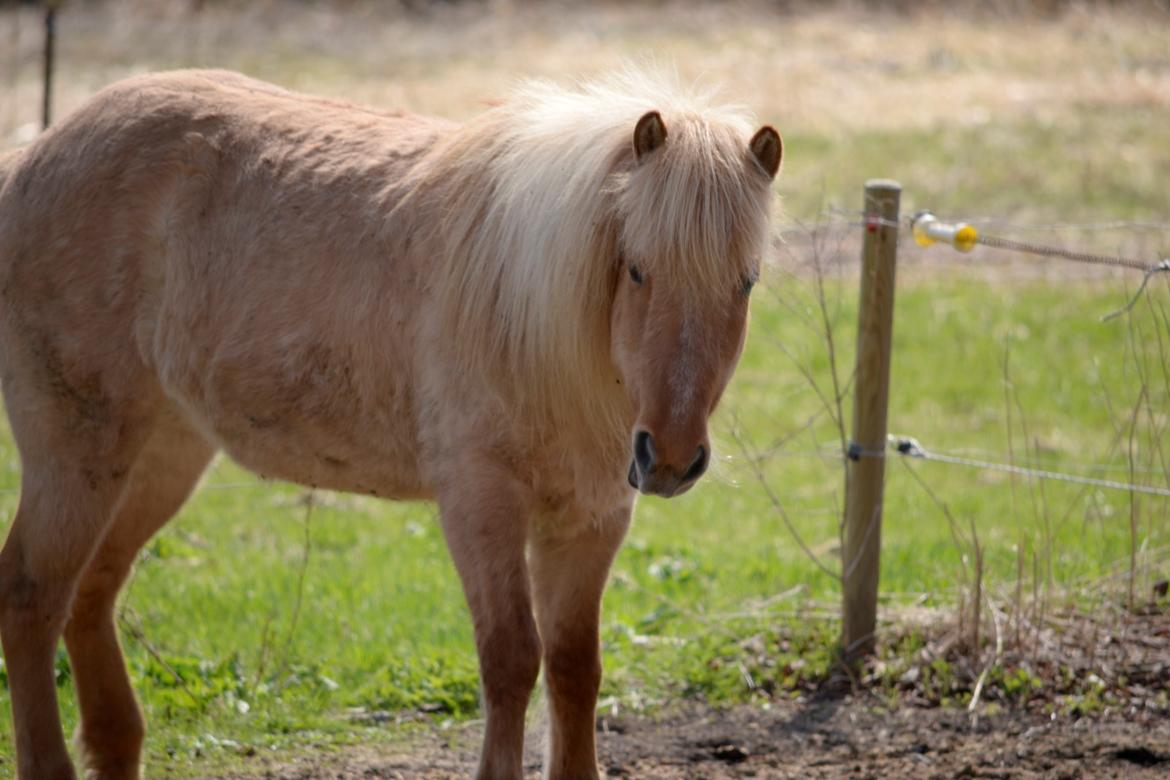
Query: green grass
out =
(383, 625)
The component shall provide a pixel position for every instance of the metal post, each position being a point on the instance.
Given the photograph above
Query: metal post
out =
(50, 46)
(865, 466)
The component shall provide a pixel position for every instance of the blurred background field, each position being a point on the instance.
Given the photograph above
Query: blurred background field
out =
(257, 627)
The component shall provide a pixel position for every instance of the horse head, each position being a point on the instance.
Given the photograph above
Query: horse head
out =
(693, 213)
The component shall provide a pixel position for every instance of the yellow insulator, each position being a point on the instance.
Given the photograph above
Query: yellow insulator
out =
(966, 237)
(919, 228)
(929, 230)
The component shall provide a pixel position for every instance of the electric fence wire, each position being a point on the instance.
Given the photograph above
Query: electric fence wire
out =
(839, 216)
(908, 446)
(1056, 227)
(1043, 250)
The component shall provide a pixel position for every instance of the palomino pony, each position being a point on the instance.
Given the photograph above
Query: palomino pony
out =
(525, 317)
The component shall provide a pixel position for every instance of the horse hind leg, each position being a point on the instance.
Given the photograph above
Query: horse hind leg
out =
(111, 731)
(72, 478)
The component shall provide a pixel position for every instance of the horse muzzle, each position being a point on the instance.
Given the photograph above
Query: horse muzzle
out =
(649, 475)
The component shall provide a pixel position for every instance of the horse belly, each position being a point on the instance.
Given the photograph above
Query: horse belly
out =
(305, 408)
(327, 459)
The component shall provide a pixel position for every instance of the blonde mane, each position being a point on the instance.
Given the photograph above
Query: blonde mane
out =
(537, 200)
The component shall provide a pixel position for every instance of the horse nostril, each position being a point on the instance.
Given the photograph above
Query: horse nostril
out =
(644, 451)
(698, 465)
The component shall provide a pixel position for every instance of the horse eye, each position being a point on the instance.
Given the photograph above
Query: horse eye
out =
(748, 283)
(635, 274)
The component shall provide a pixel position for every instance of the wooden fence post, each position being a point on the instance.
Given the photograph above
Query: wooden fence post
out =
(865, 466)
(49, 61)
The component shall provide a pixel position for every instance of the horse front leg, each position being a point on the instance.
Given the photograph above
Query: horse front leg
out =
(485, 522)
(569, 570)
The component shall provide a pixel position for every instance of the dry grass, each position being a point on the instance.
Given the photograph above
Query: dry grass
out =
(821, 72)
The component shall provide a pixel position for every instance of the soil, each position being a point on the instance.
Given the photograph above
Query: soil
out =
(825, 738)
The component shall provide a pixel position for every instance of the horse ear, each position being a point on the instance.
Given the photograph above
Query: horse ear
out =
(767, 148)
(649, 134)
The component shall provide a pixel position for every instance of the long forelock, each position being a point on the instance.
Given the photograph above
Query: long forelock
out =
(696, 214)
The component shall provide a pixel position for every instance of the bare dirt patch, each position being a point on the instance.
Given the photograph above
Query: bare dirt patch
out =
(820, 738)
(1080, 694)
